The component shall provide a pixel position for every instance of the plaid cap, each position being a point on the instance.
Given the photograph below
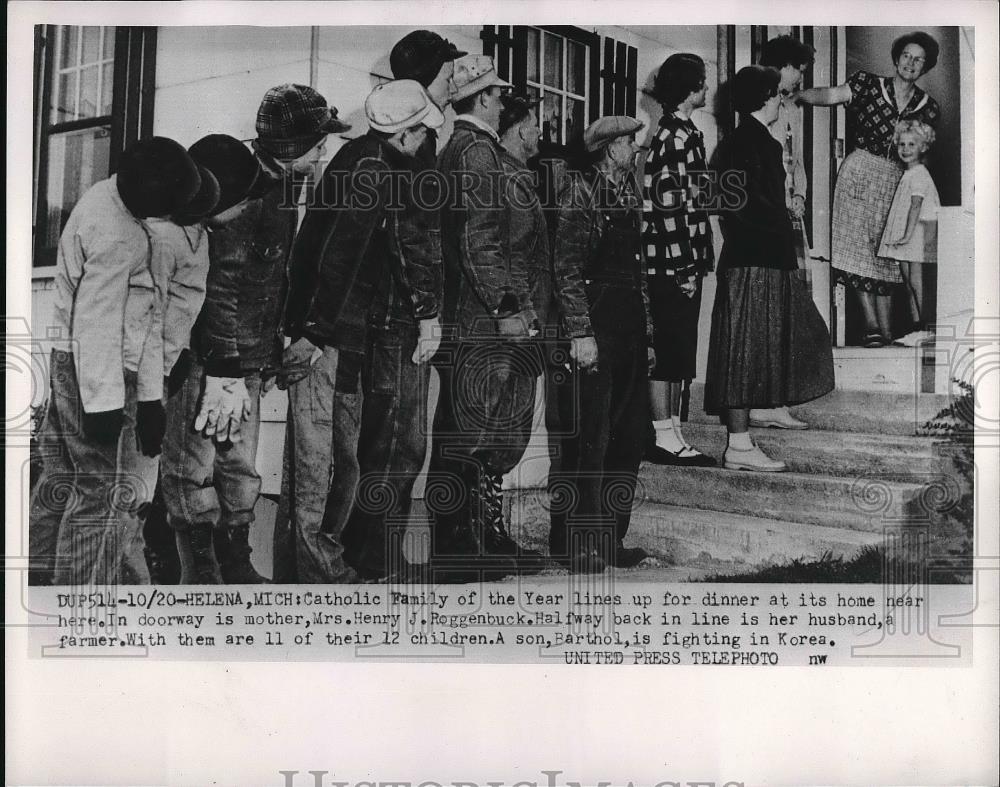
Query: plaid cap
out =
(292, 119)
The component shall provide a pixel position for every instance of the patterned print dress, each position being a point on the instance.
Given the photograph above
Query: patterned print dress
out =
(868, 178)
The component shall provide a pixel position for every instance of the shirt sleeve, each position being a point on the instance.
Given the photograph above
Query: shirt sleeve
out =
(858, 82)
(668, 194)
(185, 296)
(571, 246)
(480, 242)
(98, 317)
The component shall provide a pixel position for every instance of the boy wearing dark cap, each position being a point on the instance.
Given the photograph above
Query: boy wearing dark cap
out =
(362, 263)
(179, 264)
(211, 486)
(427, 58)
(105, 307)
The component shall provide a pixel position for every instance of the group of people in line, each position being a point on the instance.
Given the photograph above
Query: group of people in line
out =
(192, 281)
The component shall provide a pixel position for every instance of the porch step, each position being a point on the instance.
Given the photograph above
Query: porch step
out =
(832, 453)
(902, 370)
(863, 412)
(865, 502)
(701, 541)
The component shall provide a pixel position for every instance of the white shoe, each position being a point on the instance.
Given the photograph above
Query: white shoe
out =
(776, 417)
(916, 338)
(752, 459)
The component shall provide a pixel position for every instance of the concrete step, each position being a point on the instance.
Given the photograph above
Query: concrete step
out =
(694, 543)
(868, 502)
(865, 412)
(831, 453)
(900, 370)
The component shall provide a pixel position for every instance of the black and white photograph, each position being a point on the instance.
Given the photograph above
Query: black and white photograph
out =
(401, 350)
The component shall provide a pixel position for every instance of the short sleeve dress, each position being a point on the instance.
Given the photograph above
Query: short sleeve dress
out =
(916, 182)
(868, 178)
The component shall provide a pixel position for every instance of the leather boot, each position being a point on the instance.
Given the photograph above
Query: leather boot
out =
(232, 548)
(196, 551)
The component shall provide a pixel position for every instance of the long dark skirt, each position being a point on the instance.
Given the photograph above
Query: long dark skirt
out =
(769, 345)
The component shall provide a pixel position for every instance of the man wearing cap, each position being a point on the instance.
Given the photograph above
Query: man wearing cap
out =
(598, 233)
(678, 243)
(101, 386)
(363, 255)
(483, 417)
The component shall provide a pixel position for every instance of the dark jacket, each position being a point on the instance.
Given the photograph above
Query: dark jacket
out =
(239, 328)
(482, 281)
(756, 229)
(363, 251)
(526, 244)
(597, 245)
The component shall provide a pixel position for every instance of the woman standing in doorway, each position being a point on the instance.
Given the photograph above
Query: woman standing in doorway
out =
(869, 175)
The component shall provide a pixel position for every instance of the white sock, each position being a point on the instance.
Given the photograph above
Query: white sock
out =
(666, 438)
(740, 441)
(675, 423)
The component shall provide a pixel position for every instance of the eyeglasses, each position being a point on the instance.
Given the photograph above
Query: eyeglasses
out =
(916, 60)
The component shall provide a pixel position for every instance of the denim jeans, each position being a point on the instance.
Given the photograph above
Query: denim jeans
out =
(320, 471)
(83, 526)
(391, 447)
(482, 425)
(205, 483)
(593, 484)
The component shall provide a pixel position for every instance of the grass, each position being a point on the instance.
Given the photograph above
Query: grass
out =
(868, 566)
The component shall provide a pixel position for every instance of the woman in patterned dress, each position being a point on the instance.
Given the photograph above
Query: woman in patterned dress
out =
(868, 177)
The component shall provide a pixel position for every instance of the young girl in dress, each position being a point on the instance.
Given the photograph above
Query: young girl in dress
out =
(910, 235)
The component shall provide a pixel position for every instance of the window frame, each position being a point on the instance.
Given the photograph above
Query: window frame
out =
(508, 45)
(131, 117)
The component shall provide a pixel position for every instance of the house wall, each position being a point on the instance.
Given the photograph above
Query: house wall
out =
(211, 79)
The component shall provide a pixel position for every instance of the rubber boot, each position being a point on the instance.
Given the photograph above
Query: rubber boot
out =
(232, 548)
(496, 539)
(196, 550)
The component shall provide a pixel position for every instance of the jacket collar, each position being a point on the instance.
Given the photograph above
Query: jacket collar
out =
(395, 157)
(477, 124)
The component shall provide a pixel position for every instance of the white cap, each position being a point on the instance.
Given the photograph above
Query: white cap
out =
(399, 105)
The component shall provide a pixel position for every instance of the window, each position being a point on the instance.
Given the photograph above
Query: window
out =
(563, 66)
(93, 96)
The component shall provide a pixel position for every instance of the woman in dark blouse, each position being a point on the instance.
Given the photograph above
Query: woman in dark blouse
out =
(868, 177)
(768, 345)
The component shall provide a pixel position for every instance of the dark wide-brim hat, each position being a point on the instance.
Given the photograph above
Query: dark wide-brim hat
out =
(203, 203)
(419, 55)
(292, 119)
(233, 165)
(156, 177)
